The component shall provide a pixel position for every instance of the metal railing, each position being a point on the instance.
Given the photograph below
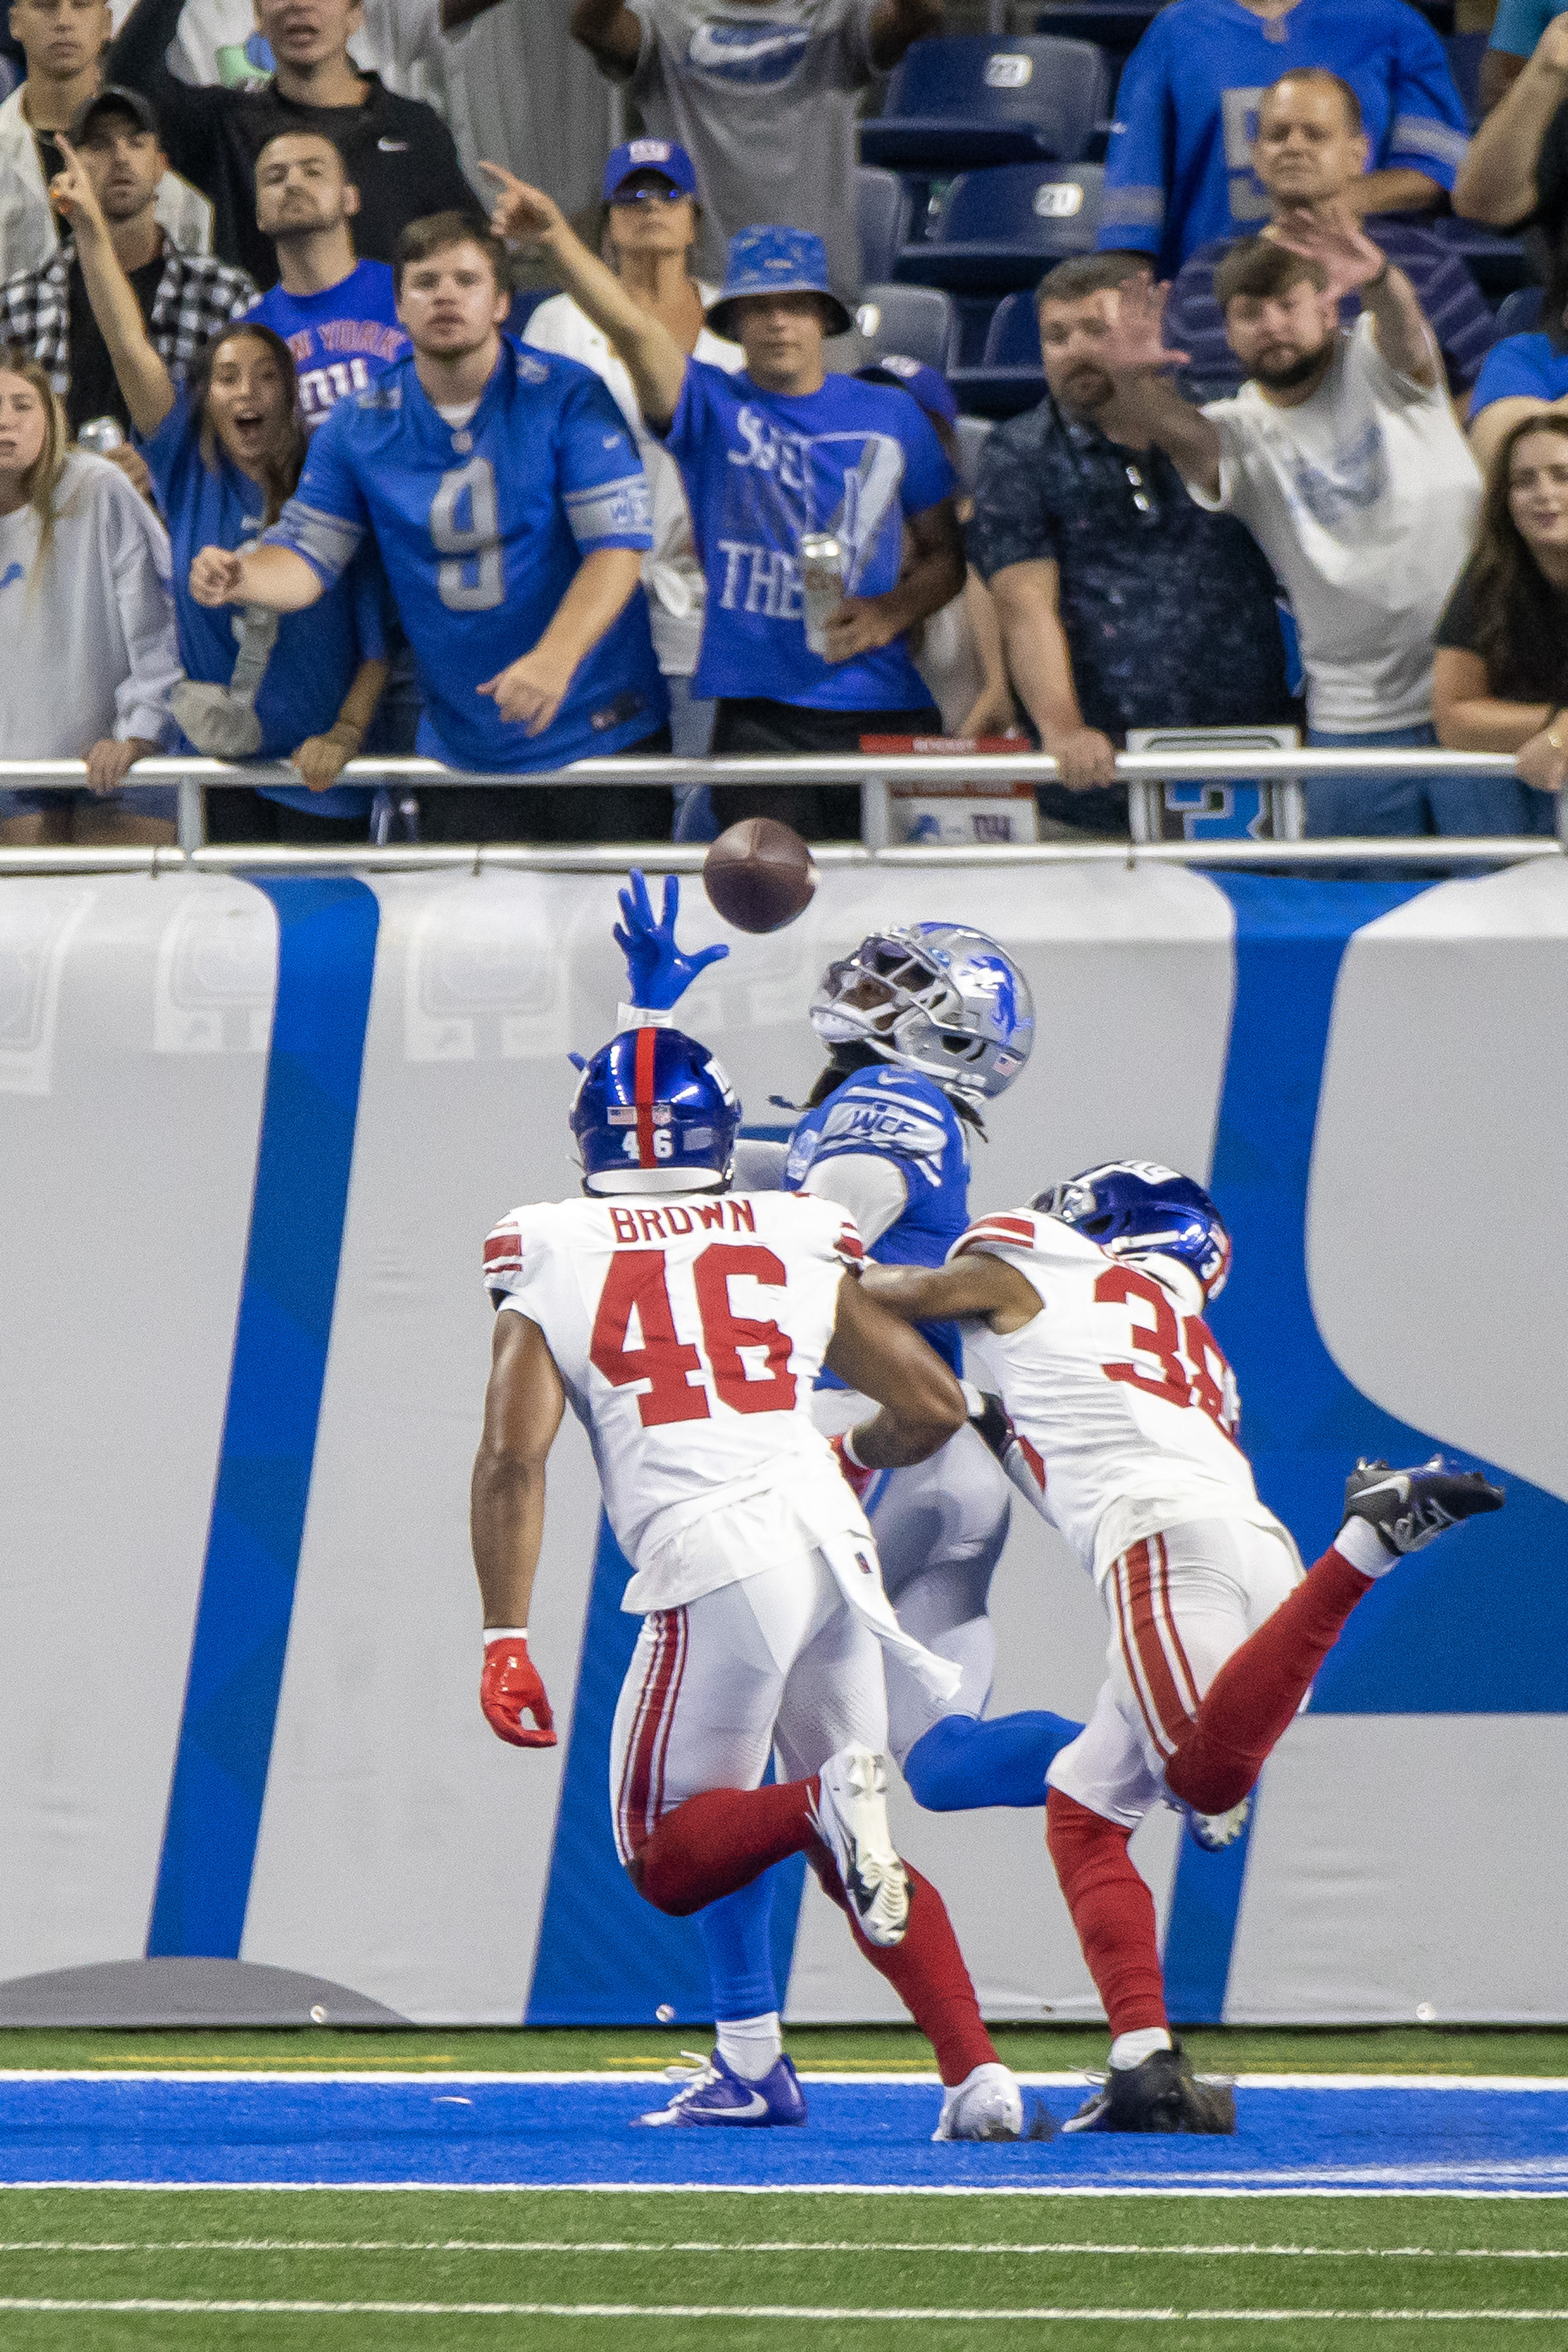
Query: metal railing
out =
(875, 774)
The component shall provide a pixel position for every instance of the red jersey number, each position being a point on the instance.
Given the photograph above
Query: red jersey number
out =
(1183, 1363)
(637, 1282)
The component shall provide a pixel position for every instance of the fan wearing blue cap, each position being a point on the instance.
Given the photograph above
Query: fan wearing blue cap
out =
(652, 216)
(959, 650)
(799, 482)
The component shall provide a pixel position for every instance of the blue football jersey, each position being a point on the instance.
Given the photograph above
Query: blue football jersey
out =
(481, 528)
(893, 1114)
(1178, 170)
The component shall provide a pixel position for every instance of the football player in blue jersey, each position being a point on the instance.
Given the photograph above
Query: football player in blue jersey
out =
(923, 1024)
(510, 508)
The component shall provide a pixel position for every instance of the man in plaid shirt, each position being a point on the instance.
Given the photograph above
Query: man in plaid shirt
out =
(186, 299)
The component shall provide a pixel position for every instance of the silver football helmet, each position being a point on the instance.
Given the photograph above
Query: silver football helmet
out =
(939, 998)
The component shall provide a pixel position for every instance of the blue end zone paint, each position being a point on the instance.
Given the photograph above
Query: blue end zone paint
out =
(1409, 1649)
(456, 2132)
(605, 1957)
(326, 956)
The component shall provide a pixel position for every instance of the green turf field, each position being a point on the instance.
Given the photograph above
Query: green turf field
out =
(820, 2270)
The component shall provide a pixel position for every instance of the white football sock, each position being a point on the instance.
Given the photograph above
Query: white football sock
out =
(1359, 1542)
(751, 2046)
(1132, 2049)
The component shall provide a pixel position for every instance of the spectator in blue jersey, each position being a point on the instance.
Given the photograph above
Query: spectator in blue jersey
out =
(1311, 156)
(337, 314)
(510, 511)
(1524, 375)
(1178, 172)
(771, 457)
(1123, 603)
(225, 450)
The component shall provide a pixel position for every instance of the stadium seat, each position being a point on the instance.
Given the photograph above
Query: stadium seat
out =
(1010, 376)
(1115, 26)
(879, 209)
(989, 99)
(1004, 229)
(1497, 261)
(1520, 313)
(972, 433)
(918, 321)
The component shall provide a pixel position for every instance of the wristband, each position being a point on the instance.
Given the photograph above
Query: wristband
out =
(643, 1016)
(506, 1633)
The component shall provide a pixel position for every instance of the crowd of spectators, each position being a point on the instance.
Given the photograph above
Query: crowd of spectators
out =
(290, 470)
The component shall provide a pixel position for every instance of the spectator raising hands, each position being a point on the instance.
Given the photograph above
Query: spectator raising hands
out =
(312, 692)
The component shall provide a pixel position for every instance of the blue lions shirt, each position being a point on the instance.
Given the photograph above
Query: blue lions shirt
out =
(1178, 171)
(762, 469)
(896, 1115)
(481, 529)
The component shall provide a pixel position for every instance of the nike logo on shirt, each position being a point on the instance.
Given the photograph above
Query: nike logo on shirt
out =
(393, 146)
(735, 49)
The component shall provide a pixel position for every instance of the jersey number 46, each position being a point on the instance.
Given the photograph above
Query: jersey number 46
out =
(637, 1285)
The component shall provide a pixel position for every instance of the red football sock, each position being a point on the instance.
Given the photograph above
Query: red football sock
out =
(927, 1972)
(1253, 1699)
(1112, 1910)
(721, 1840)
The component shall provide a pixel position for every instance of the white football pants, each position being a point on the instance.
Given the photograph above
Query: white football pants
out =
(778, 1661)
(1180, 1604)
(939, 1529)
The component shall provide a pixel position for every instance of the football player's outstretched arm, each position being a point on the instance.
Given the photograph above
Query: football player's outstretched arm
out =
(923, 1404)
(523, 1405)
(976, 1286)
(654, 359)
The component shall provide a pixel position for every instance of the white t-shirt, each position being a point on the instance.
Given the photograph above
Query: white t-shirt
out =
(1120, 1393)
(671, 572)
(688, 1332)
(1364, 500)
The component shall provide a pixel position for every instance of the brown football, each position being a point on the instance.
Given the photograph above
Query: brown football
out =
(758, 875)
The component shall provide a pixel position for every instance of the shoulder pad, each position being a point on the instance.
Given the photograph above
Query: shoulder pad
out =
(1015, 1229)
(882, 1112)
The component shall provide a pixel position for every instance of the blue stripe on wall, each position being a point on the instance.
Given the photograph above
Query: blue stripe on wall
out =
(605, 1957)
(326, 956)
(1409, 1647)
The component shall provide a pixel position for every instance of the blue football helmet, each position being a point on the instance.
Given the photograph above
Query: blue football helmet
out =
(1134, 1208)
(655, 1113)
(939, 998)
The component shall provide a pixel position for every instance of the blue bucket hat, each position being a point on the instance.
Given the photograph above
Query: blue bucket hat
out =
(776, 261)
(634, 155)
(926, 385)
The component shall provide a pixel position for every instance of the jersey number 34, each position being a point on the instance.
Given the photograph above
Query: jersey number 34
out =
(1183, 1363)
(637, 1285)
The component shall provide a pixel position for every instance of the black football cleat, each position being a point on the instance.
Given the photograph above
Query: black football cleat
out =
(1409, 1508)
(1163, 2094)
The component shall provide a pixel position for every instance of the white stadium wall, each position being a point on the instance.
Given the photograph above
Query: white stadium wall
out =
(247, 1343)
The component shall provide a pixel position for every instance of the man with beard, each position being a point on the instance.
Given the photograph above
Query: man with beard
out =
(337, 314)
(1123, 603)
(1341, 455)
(186, 299)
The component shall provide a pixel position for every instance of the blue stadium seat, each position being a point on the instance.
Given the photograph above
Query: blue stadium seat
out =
(918, 321)
(1520, 313)
(1114, 26)
(879, 209)
(1497, 261)
(990, 98)
(1004, 229)
(1010, 376)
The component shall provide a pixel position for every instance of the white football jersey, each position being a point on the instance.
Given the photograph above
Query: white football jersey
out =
(1125, 1408)
(688, 1332)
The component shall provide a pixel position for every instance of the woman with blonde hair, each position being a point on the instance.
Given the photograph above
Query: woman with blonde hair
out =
(87, 624)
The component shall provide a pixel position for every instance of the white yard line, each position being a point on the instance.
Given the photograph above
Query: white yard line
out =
(1071, 2080)
(771, 2246)
(937, 2314)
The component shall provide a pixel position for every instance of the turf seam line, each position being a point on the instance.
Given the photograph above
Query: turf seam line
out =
(1176, 2251)
(939, 2313)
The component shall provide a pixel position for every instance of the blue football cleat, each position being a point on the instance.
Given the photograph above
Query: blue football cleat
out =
(715, 2093)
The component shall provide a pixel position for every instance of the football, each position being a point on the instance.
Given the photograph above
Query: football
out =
(758, 875)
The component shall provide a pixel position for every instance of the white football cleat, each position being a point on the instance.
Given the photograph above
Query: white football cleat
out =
(988, 2105)
(1215, 1831)
(851, 1817)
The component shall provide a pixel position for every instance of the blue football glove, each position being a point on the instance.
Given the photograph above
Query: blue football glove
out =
(658, 972)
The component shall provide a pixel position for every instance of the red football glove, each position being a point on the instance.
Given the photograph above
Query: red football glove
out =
(857, 1474)
(511, 1688)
